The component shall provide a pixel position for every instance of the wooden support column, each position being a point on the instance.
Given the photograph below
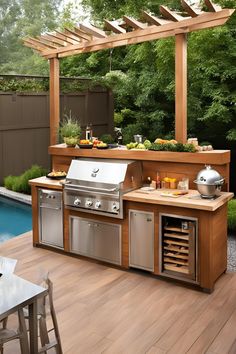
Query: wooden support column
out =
(181, 87)
(54, 99)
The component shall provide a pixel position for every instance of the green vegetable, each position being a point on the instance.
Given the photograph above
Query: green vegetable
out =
(131, 145)
(173, 147)
(147, 144)
(140, 146)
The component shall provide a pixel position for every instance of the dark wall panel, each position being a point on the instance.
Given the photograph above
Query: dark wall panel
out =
(24, 125)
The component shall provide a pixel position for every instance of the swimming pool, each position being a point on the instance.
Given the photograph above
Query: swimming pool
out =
(15, 218)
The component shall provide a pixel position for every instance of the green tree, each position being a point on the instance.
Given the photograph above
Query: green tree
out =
(24, 18)
(147, 88)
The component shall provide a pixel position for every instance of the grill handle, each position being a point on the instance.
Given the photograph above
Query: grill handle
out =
(69, 186)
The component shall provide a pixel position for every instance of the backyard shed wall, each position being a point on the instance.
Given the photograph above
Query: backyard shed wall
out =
(25, 128)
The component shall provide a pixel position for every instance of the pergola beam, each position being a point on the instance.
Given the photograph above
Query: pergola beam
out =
(130, 21)
(154, 20)
(54, 91)
(79, 33)
(114, 27)
(206, 20)
(170, 15)
(94, 31)
(53, 39)
(212, 7)
(181, 88)
(191, 10)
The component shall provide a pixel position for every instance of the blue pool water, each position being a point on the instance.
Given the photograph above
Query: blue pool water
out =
(15, 218)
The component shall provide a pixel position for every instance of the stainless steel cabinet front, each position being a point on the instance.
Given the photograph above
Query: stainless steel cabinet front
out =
(81, 236)
(107, 242)
(50, 218)
(96, 239)
(141, 240)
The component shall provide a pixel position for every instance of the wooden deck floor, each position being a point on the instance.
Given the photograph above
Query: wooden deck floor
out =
(105, 310)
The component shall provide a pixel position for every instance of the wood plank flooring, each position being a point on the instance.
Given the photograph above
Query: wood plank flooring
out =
(110, 311)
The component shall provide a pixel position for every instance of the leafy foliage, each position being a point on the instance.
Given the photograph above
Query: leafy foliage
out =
(69, 127)
(141, 76)
(232, 215)
(21, 183)
(179, 147)
(20, 18)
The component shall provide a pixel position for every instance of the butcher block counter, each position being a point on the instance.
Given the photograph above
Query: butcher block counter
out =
(192, 200)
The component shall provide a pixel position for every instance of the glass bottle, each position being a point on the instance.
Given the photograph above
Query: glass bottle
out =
(158, 181)
(89, 132)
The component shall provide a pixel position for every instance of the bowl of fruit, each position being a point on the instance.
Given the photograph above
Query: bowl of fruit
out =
(102, 146)
(85, 144)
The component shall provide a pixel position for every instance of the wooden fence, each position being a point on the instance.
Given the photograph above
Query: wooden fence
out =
(24, 124)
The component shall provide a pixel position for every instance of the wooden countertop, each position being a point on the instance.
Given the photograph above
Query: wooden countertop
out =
(46, 182)
(215, 157)
(192, 200)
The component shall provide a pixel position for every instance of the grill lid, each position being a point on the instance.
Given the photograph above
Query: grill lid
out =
(209, 176)
(98, 171)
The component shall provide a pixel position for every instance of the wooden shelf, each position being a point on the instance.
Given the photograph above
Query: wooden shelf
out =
(174, 255)
(181, 237)
(178, 243)
(176, 269)
(177, 229)
(175, 261)
(215, 157)
(176, 249)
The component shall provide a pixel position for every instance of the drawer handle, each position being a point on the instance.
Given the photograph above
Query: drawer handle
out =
(149, 219)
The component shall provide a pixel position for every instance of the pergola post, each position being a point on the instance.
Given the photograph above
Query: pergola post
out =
(54, 91)
(181, 87)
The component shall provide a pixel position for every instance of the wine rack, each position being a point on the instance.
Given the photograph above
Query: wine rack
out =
(178, 247)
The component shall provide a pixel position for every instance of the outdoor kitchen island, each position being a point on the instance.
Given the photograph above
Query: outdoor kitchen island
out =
(182, 238)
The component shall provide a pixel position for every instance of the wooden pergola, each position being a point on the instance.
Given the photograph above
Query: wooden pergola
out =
(88, 38)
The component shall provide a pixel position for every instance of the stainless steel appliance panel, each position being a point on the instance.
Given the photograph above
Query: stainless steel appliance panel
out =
(93, 202)
(141, 240)
(94, 239)
(99, 171)
(97, 185)
(50, 217)
(81, 236)
(107, 242)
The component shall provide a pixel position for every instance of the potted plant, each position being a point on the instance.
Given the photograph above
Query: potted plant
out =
(70, 131)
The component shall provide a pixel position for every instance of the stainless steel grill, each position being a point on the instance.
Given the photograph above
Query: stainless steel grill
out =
(97, 185)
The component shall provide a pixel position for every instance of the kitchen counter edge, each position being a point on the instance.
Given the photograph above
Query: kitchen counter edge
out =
(183, 202)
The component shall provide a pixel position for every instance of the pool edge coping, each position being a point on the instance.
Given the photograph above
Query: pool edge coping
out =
(20, 197)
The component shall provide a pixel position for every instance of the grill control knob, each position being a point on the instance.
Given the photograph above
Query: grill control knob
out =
(89, 203)
(97, 205)
(115, 207)
(77, 202)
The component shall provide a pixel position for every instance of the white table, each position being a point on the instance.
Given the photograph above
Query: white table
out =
(16, 292)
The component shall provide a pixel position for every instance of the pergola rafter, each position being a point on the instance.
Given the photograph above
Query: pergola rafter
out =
(87, 38)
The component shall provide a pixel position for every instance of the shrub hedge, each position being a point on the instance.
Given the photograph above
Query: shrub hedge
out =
(21, 183)
(232, 215)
